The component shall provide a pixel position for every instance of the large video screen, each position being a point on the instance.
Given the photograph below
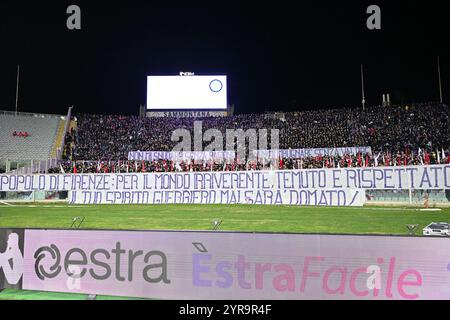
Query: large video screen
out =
(186, 92)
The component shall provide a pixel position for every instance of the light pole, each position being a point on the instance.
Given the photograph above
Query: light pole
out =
(362, 88)
(17, 86)
(439, 76)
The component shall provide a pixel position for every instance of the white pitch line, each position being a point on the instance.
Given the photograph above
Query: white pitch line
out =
(359, 208)
(394, 209)
(387, 209)
(60, 206)
(39, 206)
(6, 203)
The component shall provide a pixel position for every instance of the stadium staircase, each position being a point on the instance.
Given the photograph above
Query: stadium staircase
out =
(58, 139)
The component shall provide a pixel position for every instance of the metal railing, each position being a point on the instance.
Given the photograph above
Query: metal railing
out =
(29, 114)
(35, 166)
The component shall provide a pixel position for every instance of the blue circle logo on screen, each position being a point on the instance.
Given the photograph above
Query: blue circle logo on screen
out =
(215, 85)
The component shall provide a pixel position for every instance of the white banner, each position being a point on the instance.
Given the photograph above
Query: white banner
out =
(181, 155)
(434, 177)
(344, 197)
(334, 187)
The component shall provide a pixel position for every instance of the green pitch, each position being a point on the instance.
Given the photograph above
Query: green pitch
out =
(367, 220)
(13, 294)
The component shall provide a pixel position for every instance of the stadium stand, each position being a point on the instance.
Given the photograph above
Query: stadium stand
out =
(393, 129)
(398, 135)
(41, 133)
(31, 142)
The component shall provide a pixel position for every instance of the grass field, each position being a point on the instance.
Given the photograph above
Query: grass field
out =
(367, 220)
(13, 294)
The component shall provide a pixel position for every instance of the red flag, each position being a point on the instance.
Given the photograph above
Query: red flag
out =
(281, 163)
(427, 158)
(75, 168)
(349, 161)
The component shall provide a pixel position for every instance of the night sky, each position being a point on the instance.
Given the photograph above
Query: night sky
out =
(277, 55)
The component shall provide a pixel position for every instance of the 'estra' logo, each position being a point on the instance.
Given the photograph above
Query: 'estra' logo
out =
(101, 264)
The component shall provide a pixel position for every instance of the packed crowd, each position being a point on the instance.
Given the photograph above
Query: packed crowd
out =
(398, 135)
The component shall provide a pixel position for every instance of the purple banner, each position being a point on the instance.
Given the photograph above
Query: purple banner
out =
(306, 153)
(206, 265)
(219, 156)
